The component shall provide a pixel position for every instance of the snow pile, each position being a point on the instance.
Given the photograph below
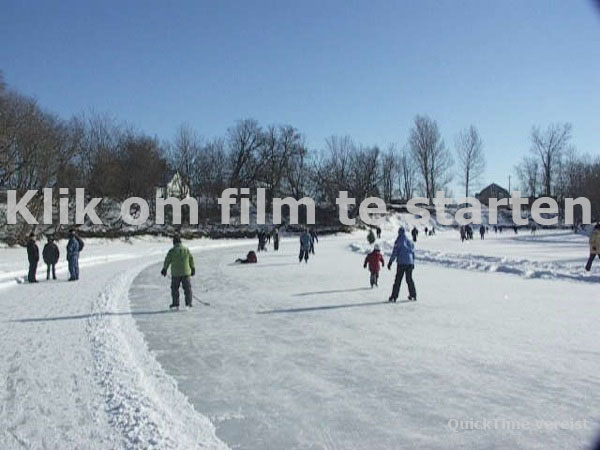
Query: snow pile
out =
(524, 267)
(144, 402)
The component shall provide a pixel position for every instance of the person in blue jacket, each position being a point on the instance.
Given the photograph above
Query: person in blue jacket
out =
(404, 255)
(305, 241)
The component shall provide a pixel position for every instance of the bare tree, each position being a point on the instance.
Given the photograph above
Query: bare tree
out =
(432, 159)
(244, 141)
(333, 167)
(528, 172)
(406, 175)
(364, 173)
(469, 150)
(141, 164)
(274, 156)
(299, 173)
(549, 146)
(389, 172)
(183, 156)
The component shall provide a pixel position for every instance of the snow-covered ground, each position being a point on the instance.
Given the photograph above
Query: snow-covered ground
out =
(291, 355)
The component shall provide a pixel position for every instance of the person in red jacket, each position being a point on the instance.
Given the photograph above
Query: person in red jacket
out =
(375, 262)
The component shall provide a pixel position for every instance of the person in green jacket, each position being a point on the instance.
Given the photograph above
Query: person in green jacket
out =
(182, 268)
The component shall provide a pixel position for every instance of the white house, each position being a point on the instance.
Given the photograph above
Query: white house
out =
(173, 186)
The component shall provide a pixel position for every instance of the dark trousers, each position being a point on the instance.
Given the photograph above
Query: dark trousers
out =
(402, 269)
(51, 267)
(187, 290)
(374, 278)
(303, 254)
(32, 271)
(588, 266)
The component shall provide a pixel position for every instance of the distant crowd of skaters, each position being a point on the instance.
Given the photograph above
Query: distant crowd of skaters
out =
(403, 254)
(180, 259)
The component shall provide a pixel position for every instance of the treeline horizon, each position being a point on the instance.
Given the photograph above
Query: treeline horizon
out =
(111, 159)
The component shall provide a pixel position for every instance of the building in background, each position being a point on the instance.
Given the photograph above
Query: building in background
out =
(492, 191)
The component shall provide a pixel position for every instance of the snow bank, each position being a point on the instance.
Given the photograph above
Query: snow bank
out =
(145, 404)
(484, 263)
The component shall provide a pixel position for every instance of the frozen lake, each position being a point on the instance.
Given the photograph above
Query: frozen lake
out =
(291, 355)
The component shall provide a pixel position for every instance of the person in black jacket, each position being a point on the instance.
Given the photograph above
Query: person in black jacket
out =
(33, 255)
(50, 254)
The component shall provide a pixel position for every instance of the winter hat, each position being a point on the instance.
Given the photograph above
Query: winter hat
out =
(401, 230)
(377, 247)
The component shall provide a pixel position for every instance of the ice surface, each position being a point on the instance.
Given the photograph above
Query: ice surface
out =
(291, 355)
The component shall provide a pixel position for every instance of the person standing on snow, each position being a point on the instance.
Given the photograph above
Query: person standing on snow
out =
(482, 232)
(415, 233)
(33, 256)
(313, 238)
(375, 261)
(404, 255)
(73, 248)
(378, 230)
(304, 246)
(262, 240)
(276, 239)
(50, 254)
(371, 237)
(181, 261)
(594, 246)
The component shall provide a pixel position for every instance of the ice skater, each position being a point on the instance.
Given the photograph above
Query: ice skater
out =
(415, 234)
(371, 237)
(374, 260)
(276, 239)
(304, 246)
(250, 258)
(404, 255)
(181, 261)
(313, 239)
(262, 241)
(594, 246)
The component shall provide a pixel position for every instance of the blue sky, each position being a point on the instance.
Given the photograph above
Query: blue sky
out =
(327, 67)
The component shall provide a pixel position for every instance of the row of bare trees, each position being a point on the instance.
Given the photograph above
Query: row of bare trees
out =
(112, 160)
(554, 168)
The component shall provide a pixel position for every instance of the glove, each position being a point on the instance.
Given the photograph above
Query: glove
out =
(193, 271)
(390, 266)
(163, 272)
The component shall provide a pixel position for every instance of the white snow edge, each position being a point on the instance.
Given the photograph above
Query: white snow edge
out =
(142, 401)
(481, 263)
